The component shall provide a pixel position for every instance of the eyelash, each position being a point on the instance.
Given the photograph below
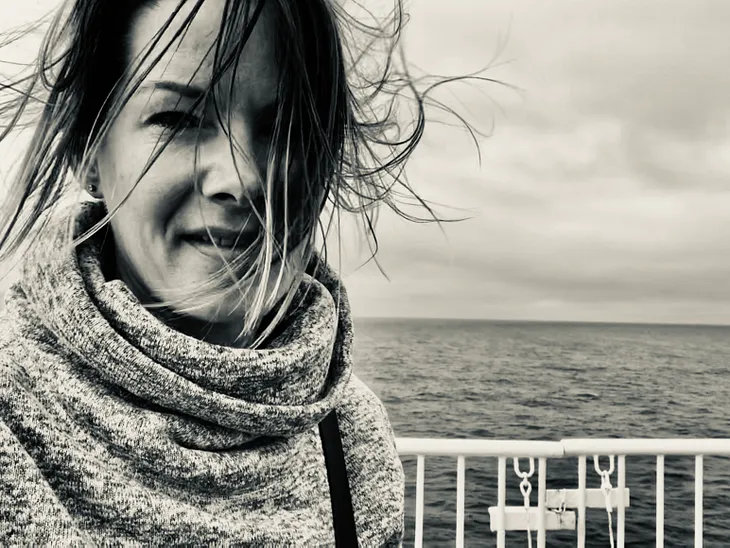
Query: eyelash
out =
(175, 120)
(182, 121)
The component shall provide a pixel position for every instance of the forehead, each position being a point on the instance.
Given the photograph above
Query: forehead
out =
(190, 57)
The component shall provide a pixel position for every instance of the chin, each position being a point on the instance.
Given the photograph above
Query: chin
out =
(224, 307)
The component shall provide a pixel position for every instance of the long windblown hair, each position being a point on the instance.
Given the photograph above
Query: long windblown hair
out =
(339, 141)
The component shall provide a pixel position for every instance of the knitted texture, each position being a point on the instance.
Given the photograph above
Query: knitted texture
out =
(116, 430)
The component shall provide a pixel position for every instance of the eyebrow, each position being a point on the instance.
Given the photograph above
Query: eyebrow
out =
(184, 90)
(195, 92)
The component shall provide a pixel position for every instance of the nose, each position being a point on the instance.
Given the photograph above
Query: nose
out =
(230, 171)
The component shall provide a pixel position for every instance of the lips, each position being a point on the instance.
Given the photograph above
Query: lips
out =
(220, 237)
(219, 241)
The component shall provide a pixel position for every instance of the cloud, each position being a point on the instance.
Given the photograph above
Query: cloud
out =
(603, 192)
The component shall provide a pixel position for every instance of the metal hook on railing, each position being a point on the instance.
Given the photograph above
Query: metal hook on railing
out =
(525, 489)
(606, 488)
(611, 461)
(561, 507)
(516, 463)
(525, 485)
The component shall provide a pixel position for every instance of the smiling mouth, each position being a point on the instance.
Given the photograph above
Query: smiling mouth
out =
(222, 242)
(221, 246)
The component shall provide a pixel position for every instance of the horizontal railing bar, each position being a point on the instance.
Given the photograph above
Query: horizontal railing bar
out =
(647, 446)
(569, 447)
(479, 448)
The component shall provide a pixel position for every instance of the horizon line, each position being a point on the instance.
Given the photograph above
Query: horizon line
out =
(503, 320)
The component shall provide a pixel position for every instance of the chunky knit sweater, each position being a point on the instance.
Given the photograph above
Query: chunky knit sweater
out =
(116, 430)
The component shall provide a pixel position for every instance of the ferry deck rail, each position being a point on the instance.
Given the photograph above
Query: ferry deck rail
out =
(570, 447)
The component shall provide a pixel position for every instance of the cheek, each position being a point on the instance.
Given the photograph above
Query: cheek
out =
(158, 191)
(123, 159)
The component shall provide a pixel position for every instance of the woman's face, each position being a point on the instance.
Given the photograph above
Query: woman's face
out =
(159, 230)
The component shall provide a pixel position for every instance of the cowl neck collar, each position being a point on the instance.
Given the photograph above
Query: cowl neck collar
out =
(222, 393)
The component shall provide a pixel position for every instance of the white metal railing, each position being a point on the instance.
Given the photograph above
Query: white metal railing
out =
(551, 512)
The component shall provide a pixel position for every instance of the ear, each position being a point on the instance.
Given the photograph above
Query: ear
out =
(92, 183)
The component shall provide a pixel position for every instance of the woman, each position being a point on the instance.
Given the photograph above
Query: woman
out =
(176, 357)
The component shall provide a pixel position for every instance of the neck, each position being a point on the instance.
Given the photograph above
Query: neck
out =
(222, 334)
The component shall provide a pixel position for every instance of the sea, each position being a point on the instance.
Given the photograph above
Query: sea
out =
(546, 381)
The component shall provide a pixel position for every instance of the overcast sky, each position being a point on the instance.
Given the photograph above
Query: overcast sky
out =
(604, 188)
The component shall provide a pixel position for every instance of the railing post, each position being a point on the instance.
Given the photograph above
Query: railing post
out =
(620, 527)
(582, 501)
(699, 481)
(660, 501)
(541, 494)
(460, 472)
(419, 501)
(501, 497)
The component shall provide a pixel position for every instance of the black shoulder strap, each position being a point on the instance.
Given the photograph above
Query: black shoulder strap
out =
(334, 458)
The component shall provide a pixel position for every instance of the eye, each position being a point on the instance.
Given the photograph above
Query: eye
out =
(174, 119)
